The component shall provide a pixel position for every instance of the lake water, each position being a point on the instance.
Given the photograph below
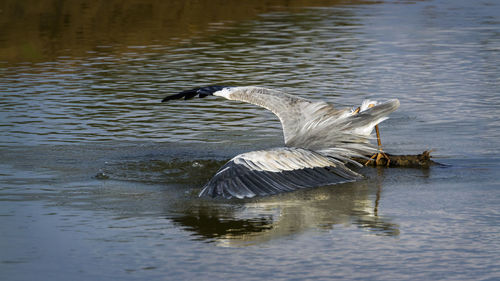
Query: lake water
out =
(99, 180)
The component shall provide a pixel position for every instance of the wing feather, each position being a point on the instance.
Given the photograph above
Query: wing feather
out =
(268, 172)
(309, 124)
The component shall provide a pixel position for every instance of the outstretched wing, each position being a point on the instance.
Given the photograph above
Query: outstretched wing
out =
(292, 111)
(277, 170)
(308, 124)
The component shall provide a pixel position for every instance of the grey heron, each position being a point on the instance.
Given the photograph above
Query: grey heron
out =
(319, 141)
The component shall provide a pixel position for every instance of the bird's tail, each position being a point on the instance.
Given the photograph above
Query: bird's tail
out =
(370, 114)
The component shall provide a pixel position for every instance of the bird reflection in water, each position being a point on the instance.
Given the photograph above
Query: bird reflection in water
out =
(258, 221)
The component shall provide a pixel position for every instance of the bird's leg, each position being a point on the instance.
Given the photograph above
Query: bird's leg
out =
(381, 154)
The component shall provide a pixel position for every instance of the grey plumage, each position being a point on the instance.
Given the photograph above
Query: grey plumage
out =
(319, 140)
(276, 170)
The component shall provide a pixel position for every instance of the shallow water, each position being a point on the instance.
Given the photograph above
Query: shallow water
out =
(99, 180)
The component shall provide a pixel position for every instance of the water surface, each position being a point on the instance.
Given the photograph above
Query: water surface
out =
(99, 180)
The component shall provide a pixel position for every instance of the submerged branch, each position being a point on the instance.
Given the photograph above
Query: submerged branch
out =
(422, 160)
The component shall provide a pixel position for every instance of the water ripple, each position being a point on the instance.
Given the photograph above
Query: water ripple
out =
(443, 70)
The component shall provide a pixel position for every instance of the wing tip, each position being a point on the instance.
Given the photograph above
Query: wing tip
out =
(200, 91)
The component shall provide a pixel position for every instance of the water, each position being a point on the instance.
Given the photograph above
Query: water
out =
(99, 180)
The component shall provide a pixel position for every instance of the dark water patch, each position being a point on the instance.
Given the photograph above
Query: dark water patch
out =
(34, 31)
(195, 172)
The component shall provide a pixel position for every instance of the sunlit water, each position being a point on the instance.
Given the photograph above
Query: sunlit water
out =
(99, 180)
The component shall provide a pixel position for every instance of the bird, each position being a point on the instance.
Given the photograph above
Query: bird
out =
(320, 142)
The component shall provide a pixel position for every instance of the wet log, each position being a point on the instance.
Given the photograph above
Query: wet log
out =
(422, 160)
